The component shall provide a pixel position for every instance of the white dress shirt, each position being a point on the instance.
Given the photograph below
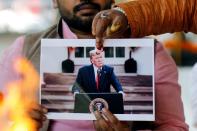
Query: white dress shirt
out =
(95, 71)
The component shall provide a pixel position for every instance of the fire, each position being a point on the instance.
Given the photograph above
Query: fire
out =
(21, 96)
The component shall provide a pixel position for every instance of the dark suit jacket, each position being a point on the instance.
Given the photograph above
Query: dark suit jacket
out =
(85, 81)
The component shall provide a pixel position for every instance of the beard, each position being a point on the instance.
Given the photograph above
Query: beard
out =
(80, 24)
(77, 22)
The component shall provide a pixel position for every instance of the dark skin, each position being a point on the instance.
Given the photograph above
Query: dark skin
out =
(77, 12)
(114, 25)
(106, 121)
(38, 114)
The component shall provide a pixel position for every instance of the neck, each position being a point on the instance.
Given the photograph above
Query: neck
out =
(97, 66)
(82, 32)
(82, 35)
(79, 33)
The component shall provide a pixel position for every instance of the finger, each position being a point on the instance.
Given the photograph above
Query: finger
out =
(102, 25)
(116, 25)
(99, 126)
(44, 110)
(103, 125)
(37, 115)
(37, 119)
(114, 122)
(100, 123)
(111, 117)
(37, 112)
(101, 29)
(96, 125)
(98, 115)
(99, 51)
(118, 28)
(40, 108)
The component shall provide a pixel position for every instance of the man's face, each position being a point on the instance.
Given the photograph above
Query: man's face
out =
(98, 60)
(79, 14)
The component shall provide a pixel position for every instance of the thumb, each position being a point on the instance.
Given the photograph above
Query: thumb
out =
(115, 27)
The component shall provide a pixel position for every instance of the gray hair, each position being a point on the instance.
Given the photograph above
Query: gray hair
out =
(92, 53)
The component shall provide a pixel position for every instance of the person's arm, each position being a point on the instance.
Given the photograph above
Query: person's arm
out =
(168, 103)
(115, 82)
(106, 121)
(147, 17)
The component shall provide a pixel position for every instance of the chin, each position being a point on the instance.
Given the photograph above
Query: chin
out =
(100, 65)
(87, 18)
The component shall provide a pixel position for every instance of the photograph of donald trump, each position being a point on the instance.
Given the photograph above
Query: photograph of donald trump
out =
(96, 77)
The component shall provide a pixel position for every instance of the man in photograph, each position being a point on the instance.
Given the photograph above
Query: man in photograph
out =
(96, 77)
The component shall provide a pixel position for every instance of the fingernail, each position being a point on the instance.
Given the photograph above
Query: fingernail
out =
(44, 118)
(115, 27)
(93, 33)
(104, 110)
(45, 110)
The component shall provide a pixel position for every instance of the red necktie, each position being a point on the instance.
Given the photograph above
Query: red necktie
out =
(98, 79)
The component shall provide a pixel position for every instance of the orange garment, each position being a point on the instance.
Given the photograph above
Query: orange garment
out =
(185, 46)
(147, 17)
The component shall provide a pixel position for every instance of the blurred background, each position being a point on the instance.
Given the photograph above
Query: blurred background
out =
(18, 17)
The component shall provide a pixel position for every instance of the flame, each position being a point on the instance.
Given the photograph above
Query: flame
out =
(21, 96)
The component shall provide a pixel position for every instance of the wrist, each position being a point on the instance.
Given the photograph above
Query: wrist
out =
(124, 13)
(121, 92)
(120, 10)
(76, 92)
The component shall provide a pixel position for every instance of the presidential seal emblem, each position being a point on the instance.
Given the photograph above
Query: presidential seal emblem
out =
(98, 104)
